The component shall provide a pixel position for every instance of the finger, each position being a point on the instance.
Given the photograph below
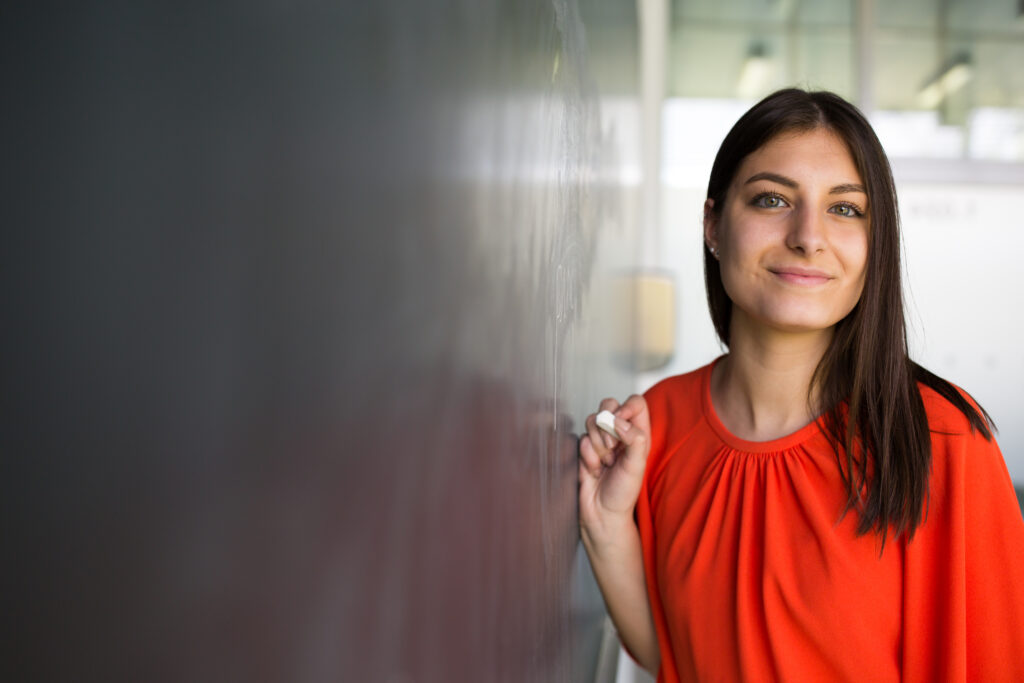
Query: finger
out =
(589, 457)
(635, 410)
(636, 443)
(608, 433)
(597, 442)
(586, 479)
(611, 405)
(587, 485)
(608, 439)
(632, 406)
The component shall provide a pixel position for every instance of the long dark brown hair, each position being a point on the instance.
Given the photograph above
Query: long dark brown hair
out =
(867, 385)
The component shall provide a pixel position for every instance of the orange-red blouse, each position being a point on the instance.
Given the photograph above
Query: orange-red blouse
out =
(753, 575)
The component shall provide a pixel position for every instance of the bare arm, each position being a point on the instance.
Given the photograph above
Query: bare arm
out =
(619, 570)
(611, 474)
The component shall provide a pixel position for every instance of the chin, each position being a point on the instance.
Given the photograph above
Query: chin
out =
(799, 321)
(804, 328)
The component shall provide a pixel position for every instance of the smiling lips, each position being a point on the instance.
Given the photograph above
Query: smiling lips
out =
(801, 276)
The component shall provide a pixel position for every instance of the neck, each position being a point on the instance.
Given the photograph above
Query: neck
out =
(762, 389)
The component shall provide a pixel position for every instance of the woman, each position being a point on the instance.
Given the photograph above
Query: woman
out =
(812, 506)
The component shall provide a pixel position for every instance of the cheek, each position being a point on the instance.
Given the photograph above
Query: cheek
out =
(855, 258)
(745, 245)
(743, 257)
(740, 279)
(743, 251)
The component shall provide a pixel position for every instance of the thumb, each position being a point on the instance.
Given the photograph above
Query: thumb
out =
(637, 445)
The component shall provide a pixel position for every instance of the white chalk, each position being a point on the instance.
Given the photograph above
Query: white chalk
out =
(606, 421)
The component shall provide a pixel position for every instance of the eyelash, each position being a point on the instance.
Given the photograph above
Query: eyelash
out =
(756, 201)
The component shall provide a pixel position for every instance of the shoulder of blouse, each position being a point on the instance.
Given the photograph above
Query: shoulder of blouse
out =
(961, 454)
(944, 418)
(681, 391)
(675, 404)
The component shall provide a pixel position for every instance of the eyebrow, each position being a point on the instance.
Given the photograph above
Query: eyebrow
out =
(789, 182)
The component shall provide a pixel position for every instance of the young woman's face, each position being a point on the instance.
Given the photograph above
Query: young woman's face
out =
(792, 238)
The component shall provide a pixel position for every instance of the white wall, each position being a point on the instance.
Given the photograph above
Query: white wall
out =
(964, 248)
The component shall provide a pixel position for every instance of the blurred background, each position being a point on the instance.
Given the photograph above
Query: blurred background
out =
(304, 304)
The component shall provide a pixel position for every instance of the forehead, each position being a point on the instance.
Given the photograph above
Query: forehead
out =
(811, 155)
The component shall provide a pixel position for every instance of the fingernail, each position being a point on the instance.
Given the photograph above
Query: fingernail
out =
(621, 425)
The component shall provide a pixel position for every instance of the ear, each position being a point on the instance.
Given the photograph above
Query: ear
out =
(710, 225)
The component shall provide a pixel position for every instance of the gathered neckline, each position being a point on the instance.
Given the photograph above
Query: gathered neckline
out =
(783, 443)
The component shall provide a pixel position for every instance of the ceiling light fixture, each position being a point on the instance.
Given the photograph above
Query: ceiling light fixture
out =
(755, 73)
(951, 77)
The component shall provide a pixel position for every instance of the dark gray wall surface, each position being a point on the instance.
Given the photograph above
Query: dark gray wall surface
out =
(295, 301)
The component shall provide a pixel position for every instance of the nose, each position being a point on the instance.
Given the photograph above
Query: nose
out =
(806, 231)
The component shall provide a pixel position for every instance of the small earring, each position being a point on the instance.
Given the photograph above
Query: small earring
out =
(714, 252)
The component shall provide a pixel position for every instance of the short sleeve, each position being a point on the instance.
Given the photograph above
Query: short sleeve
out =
(964, 569)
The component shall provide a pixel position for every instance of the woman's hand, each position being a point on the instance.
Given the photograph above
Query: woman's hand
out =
(611, 471)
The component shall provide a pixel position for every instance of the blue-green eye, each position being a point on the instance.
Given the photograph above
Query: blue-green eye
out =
(768, 200)
(847, 210)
